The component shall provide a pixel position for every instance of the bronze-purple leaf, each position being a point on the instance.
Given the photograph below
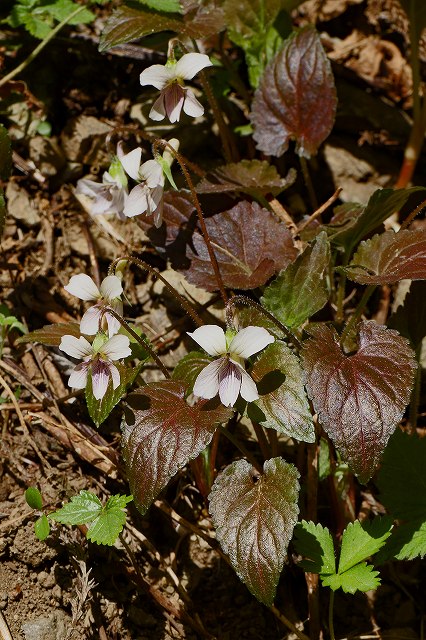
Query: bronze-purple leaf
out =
(250, 246)
(51, 334)
(255, 516)
(162, 433)
(296, 98)
(359, 398)
(390, 257)
(247, 176)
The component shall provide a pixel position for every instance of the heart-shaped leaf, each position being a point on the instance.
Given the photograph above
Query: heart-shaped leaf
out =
(296, 98)
(300, 290)
(390, 257)
(282, 396)
(359, 398)
(255, 516)
(247, 176)
(51, 334)
(162, 433)
(189, 367)
(250, 246)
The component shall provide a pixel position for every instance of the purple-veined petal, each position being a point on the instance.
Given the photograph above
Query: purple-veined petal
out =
(88, 187)
(152, 172)
(117, 347)
(229, 384)
(78, 377)
(111, 288)
(136, 202)
(211, 338)
(103, 204)
(158, 109)
(115, 375)
(248, 387)
(82, 286)
(191, 106)
(190, 64)
(207, 382)
(89, 324)
(76, 347)
(100, 378)
(157, 76)
(154, 198)
(174, 97)
(250, 340)
(131, 163)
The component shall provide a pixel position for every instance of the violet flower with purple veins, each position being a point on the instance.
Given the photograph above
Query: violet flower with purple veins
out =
(226, 376)
(98, 359)
(148, 195)
(169, 79)
(108, 196)
(107, 295)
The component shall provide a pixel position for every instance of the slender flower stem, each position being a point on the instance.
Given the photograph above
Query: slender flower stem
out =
(40, 47)
(357, 313)
(229, 148)
(147, 267)
(251, 303)
(308, 183)
(165, 145)
(138, 339)
(331, 616)
(241, 448)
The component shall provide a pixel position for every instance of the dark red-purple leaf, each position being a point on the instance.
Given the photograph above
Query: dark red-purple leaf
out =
(359, 398)
(250, 247)
(189, 367)
(255, 516)
(390, 257)
(126, 24)
(51, 334)
(296, 98)
(162, 433)
(247, 176)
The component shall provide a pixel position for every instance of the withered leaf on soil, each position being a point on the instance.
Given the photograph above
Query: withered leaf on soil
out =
(359, 398)
(390, 257)
(255, 516)
(162, 433)
(247, 176)
(250, 246)
(296, 98)
(51, 334)
(126, 24)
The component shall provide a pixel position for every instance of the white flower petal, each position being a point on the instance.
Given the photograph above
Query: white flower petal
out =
(78, 377)
(211, 338)
(157, 75)
(136, 202)
(117, 347)
(190, 64)
(89, 324)
(88, 187)
(115, 374)
(82, 286)
(250, 340)
(114, 324)
(152, 172)
(191, 106)
(100, 378)
(111, 288)
(248, 387)
(174, 97)
(158, 109)
(207, 382)
(155, 200)
(76, 347)
(131, 163)
(229, 384)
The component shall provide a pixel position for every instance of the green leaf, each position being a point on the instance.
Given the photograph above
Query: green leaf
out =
(324, 465)
(282, 398)
(189, 367)
(99, 410)
(61, 9)
(254, 516)
(42, 527)
(362, 577)
(300, 290)
(362, 540)
(82, 509)
(5, 154)
(3, 212)
(167, 6)
(33, 498)
(408, 541)
(315, 543)
(51, 334)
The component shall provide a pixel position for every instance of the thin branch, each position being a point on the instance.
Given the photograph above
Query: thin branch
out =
(320, 210)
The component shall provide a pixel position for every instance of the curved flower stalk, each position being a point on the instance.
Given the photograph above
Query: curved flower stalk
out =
(107, 295)
(226, 376)
(169, 79)
(98, 358)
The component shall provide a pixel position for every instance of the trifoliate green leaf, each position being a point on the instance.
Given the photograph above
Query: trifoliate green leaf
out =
(362, 540)
(406, 543)
(362, 577)
(42, 527)
(315, 543)
(83, 508)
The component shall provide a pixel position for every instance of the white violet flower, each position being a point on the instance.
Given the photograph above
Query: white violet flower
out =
(98, 358)
(148, 195)
(226, 376)
(107, 295)
(108, 196)
(169, 79)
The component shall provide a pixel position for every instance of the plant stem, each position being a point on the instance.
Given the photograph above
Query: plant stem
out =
(229, 147)
(308, 183)
(241, 448)
(330, 616)
(138, 339)
(286, 622)
(357, 313)
(147, 267)
(200, 215)
(408, 220)
(40, 47)
(320, 210)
